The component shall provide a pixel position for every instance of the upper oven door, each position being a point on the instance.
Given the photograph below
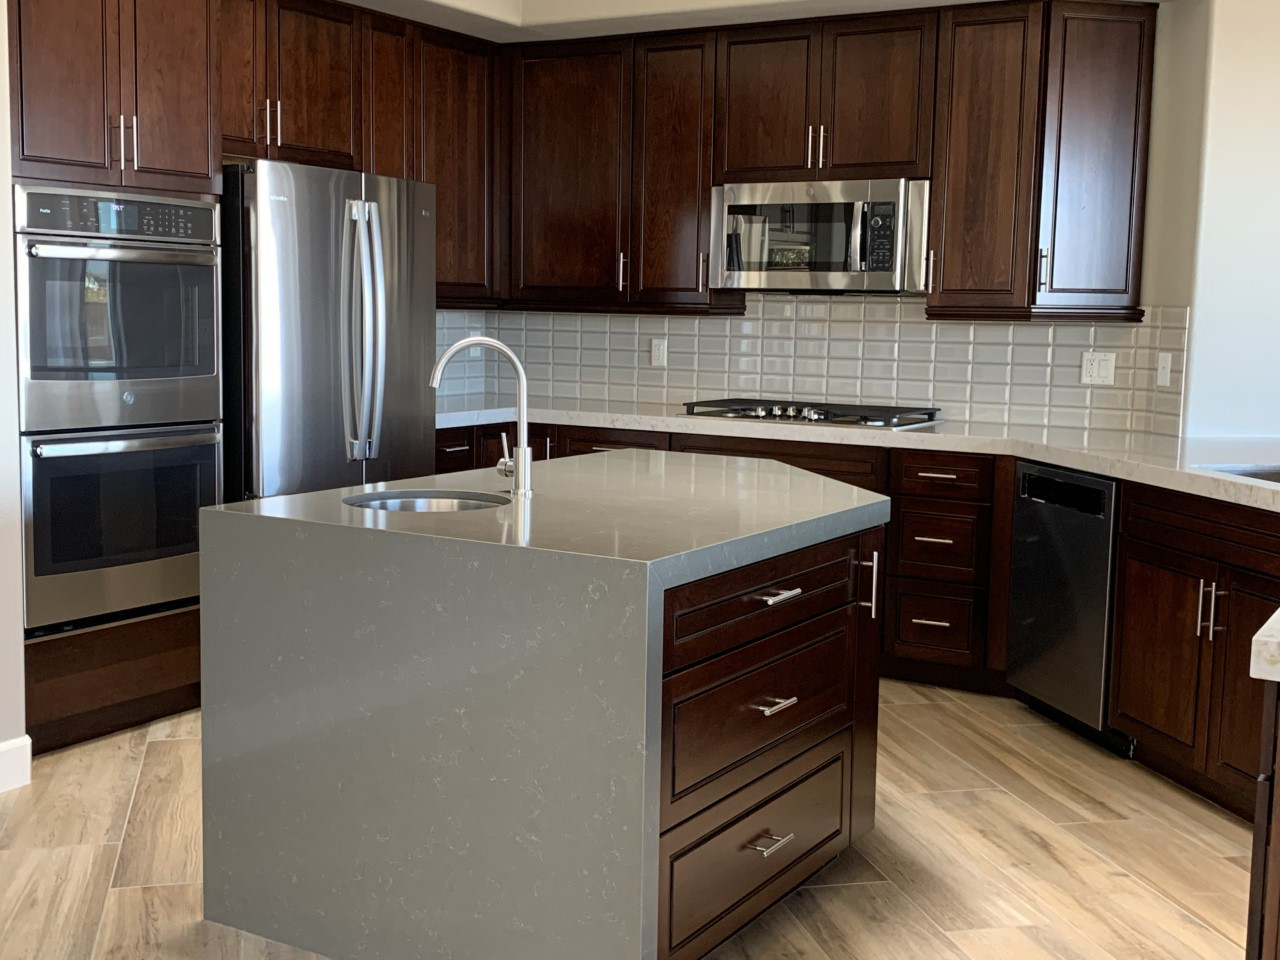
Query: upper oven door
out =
(111, 518)
(116, 333)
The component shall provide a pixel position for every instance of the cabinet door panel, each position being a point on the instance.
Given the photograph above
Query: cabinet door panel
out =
(313, 75)
(171, 92)
(1235, 742)
(457, 151)
(389, 124)
(571, 172)
(1098, 99)
(671, 187)
(1160, 677)
(985, 155)
(767, 103)
(242, 33)
(878, 90)
(65, 85)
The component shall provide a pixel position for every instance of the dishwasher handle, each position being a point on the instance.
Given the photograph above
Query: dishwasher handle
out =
(1065, 494)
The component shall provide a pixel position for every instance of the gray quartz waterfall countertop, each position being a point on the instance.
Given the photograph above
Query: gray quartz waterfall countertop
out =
(638, 505)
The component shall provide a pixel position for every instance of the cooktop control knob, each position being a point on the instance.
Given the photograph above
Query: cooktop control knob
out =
(777, 411)
(809, 413)
(761, 412)
(792, 412)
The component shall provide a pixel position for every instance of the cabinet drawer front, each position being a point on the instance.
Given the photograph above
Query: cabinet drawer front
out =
(734, 707)
(710, 616)
(728, 866)
(935, 622)
(953, 476)
(455, 449)
(941, 540)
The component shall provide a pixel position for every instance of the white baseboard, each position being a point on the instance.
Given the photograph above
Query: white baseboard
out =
(15, 763)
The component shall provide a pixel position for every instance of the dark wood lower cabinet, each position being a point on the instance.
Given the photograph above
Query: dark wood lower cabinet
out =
(489, 442)
(94, 682)
(866, 467)
(572, 441)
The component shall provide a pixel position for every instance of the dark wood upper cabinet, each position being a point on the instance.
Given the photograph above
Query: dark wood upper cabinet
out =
(390, 124)
(671, 169)
(65, 86)
(1097, 104)
(457, 155)
(170, 93)
(768, 97)
(242, 54)
(571, 172)
(1162, 660)
(313, 83)
(985, 155)
(877, 96)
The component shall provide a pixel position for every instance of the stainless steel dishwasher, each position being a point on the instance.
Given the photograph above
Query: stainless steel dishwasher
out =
(1064, 533)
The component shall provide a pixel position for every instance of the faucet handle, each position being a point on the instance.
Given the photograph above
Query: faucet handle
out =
(507, 465)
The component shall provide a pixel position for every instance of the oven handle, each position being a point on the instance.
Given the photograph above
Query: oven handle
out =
(58, 251)
(95, 448)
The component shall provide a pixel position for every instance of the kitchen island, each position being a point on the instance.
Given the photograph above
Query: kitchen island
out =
(618, 719)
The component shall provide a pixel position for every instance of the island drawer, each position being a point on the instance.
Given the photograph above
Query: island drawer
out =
(723, 868)
(937, 622)
(732, 719)
(930, 473)
(455, 449)
(941, 540)
(713, 615)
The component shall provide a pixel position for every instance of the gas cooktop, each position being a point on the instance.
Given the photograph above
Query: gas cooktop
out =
(802, 411)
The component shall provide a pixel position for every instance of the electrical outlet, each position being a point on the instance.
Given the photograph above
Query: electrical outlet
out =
(657, 353)
(1098, 368)
(475, 352)
(1164, 369)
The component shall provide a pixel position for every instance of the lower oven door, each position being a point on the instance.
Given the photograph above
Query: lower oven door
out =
(111, 519)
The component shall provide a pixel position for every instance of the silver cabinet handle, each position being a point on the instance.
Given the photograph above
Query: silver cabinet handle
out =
(1200, 608)
(455, 449)
(931, 623)
(702, 273)
(779, 704)
(822, 144)
(548, 448)
(1214, 593)
(936, 476)
(135, 143)
(622, 266)
(279, 123)
(942, 540)
(783, 595)
(602, 449)
(808, 156)
(778, 844)
(1044, 269)
(122, 143)
(874, 564)
(932, 260)
(268, 123)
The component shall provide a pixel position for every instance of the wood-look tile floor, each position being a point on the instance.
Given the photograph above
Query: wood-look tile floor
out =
(999, 835)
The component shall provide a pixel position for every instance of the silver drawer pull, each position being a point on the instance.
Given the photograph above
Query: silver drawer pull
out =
(932, 623)
(603, 449)
(778, 844)
(937, 476)
(779, 704)
(933, 540)
(783, 595)
(456, 449)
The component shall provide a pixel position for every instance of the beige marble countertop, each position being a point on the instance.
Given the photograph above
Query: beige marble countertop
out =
(1169, 462)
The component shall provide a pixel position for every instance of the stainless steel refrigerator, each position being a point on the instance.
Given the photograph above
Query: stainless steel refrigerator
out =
(329, 319)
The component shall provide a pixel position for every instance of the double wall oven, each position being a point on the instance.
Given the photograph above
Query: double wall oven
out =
(120, 399)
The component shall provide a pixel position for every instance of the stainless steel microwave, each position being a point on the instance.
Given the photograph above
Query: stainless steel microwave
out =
(852, 236)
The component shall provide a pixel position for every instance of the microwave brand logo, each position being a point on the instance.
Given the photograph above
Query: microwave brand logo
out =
(46, 211)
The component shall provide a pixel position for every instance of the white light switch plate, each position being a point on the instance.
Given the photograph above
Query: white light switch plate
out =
(657, 353)
(1164, 369)
(1098, 368)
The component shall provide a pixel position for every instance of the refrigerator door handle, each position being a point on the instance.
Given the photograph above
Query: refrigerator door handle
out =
(380, 313)
(346, 331)
(367, 335)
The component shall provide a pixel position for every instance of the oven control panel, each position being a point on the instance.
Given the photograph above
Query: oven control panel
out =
(881, 232)
(113, 216)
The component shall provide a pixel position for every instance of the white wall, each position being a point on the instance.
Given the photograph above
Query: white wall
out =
(1234, 377)
(15, 749)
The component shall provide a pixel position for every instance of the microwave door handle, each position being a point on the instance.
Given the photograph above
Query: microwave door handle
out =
(52, 449)
(380, 313)
(346, 334)
(857, 259)
(368, 334)
(58, 251)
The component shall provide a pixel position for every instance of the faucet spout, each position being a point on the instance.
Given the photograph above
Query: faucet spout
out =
(520, 464)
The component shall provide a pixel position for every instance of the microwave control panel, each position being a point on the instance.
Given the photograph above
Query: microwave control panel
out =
(881, 231)
(128, 217)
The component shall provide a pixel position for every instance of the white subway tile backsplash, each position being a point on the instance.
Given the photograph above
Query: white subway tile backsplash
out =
(1006, 379)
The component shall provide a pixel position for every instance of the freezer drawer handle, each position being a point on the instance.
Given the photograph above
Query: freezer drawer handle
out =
(931, 623)
(933, 540)
(779, 704)
(783, 595)
(778, 844)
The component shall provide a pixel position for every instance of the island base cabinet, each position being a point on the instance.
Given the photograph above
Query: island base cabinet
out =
(726, 866)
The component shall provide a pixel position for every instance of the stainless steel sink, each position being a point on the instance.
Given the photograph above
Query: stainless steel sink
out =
(427, 501)
(1252, 471)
